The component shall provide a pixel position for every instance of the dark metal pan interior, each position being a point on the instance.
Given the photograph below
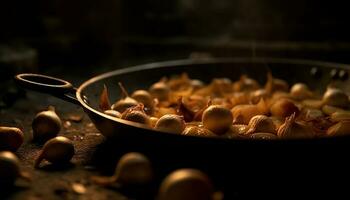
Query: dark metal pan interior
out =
(141, 77)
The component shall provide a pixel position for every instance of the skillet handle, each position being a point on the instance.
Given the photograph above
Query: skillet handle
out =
(50, 85)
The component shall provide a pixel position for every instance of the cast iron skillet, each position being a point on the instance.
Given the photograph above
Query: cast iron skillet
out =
(238, 166)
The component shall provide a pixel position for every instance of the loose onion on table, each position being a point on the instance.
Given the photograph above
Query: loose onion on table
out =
(186, 184)
(233, 109)
(58, 150)
(132, 169)
(11, 138)
(46, 125)
(10, 168)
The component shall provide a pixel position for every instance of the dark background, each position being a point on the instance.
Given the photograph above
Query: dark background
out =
(123, 32)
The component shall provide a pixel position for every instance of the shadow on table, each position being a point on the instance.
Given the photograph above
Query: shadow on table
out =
(7, 190)
(57, 167)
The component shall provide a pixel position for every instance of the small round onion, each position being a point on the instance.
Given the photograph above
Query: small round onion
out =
(124, 104)
(273, 84)
(113, 113)
(186, 184)
(58, 150)
(171, 123)
(293, 129)
(300, 91)
(153, 121)
(136, 116)
(246, 84)
(11, 138)
(257, 95)
(46, 125)
(196, 84)
(160, 91)
(243, 113)
(132, 169)
(217, 119)
(335, 97)
(144, 97)
(261, 123)
(9, 167)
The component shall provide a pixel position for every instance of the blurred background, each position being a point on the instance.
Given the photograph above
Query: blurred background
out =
(88, 37)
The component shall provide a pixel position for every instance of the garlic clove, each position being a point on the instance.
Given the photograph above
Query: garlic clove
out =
(11, 138)
(46, 125)
(186, 184)
(217, 119)
(261, 123)
(57, 150)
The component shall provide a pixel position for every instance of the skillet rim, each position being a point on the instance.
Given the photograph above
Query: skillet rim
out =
(180, 62)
